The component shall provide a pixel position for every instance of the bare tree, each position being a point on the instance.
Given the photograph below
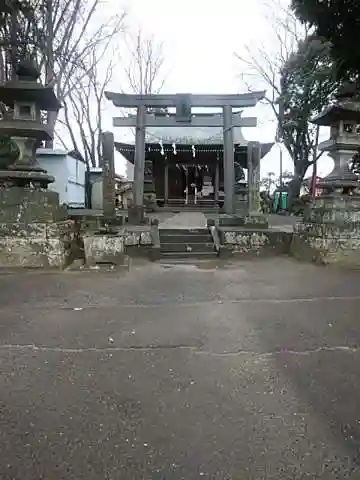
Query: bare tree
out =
(144, 63)
(73, 35)
(62, 34)
(83, 108)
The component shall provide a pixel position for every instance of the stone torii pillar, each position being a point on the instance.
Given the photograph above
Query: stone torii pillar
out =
(166, 182)
(217, 181)
(136, 214)
(229, 171)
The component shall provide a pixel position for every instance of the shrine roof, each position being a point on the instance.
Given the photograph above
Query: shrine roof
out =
(128, 150)
(29, 91)
(336, 112)
(191, 135)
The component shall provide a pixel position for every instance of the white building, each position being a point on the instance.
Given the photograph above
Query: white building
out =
(123, 189)
(69, 171)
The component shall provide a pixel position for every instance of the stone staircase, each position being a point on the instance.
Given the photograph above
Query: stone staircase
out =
(204, 206)
(186, 244)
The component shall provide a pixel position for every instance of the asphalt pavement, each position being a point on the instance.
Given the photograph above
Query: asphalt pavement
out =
(248, 370)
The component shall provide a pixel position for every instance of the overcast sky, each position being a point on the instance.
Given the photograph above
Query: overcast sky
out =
(200, 38)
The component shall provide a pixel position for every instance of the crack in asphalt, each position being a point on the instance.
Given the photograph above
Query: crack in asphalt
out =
(145, 348)
(192, 348)
(220, 301)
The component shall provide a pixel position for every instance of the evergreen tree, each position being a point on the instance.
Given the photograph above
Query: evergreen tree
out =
(337, 21)
(307, 84)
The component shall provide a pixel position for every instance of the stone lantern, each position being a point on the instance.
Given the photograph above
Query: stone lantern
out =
(330, 231)
(343, 118)
(26, 98)
(34, 230)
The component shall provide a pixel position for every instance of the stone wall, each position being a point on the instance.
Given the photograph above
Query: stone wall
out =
(36, 244)
(113, 244)
(34, 231)
(326, 244)
(254, 242)
(330, 232)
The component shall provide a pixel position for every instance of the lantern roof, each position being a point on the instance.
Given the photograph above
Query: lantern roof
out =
(346, 110)
(27, 88)
(24, 128)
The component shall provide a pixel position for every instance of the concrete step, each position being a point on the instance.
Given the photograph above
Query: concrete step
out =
(185, 238)
(183, 231)
(197, 208)
(204, 211)
(180, 207)
(188, 255)
(187, 247)
(209, 203)
(186, 243)
(186, 260)
(177, 208)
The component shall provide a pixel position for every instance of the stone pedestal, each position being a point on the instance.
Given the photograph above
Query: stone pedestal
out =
(34, 231)
(136, 215)
(330, 232)
(104, 248)
(243, 218)
(115, 246)
(241, 199)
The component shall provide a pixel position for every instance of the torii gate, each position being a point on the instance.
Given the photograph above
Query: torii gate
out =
(183, 104)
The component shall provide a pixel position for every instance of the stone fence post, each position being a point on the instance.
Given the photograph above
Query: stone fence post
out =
(108, 175)
(254, 155)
